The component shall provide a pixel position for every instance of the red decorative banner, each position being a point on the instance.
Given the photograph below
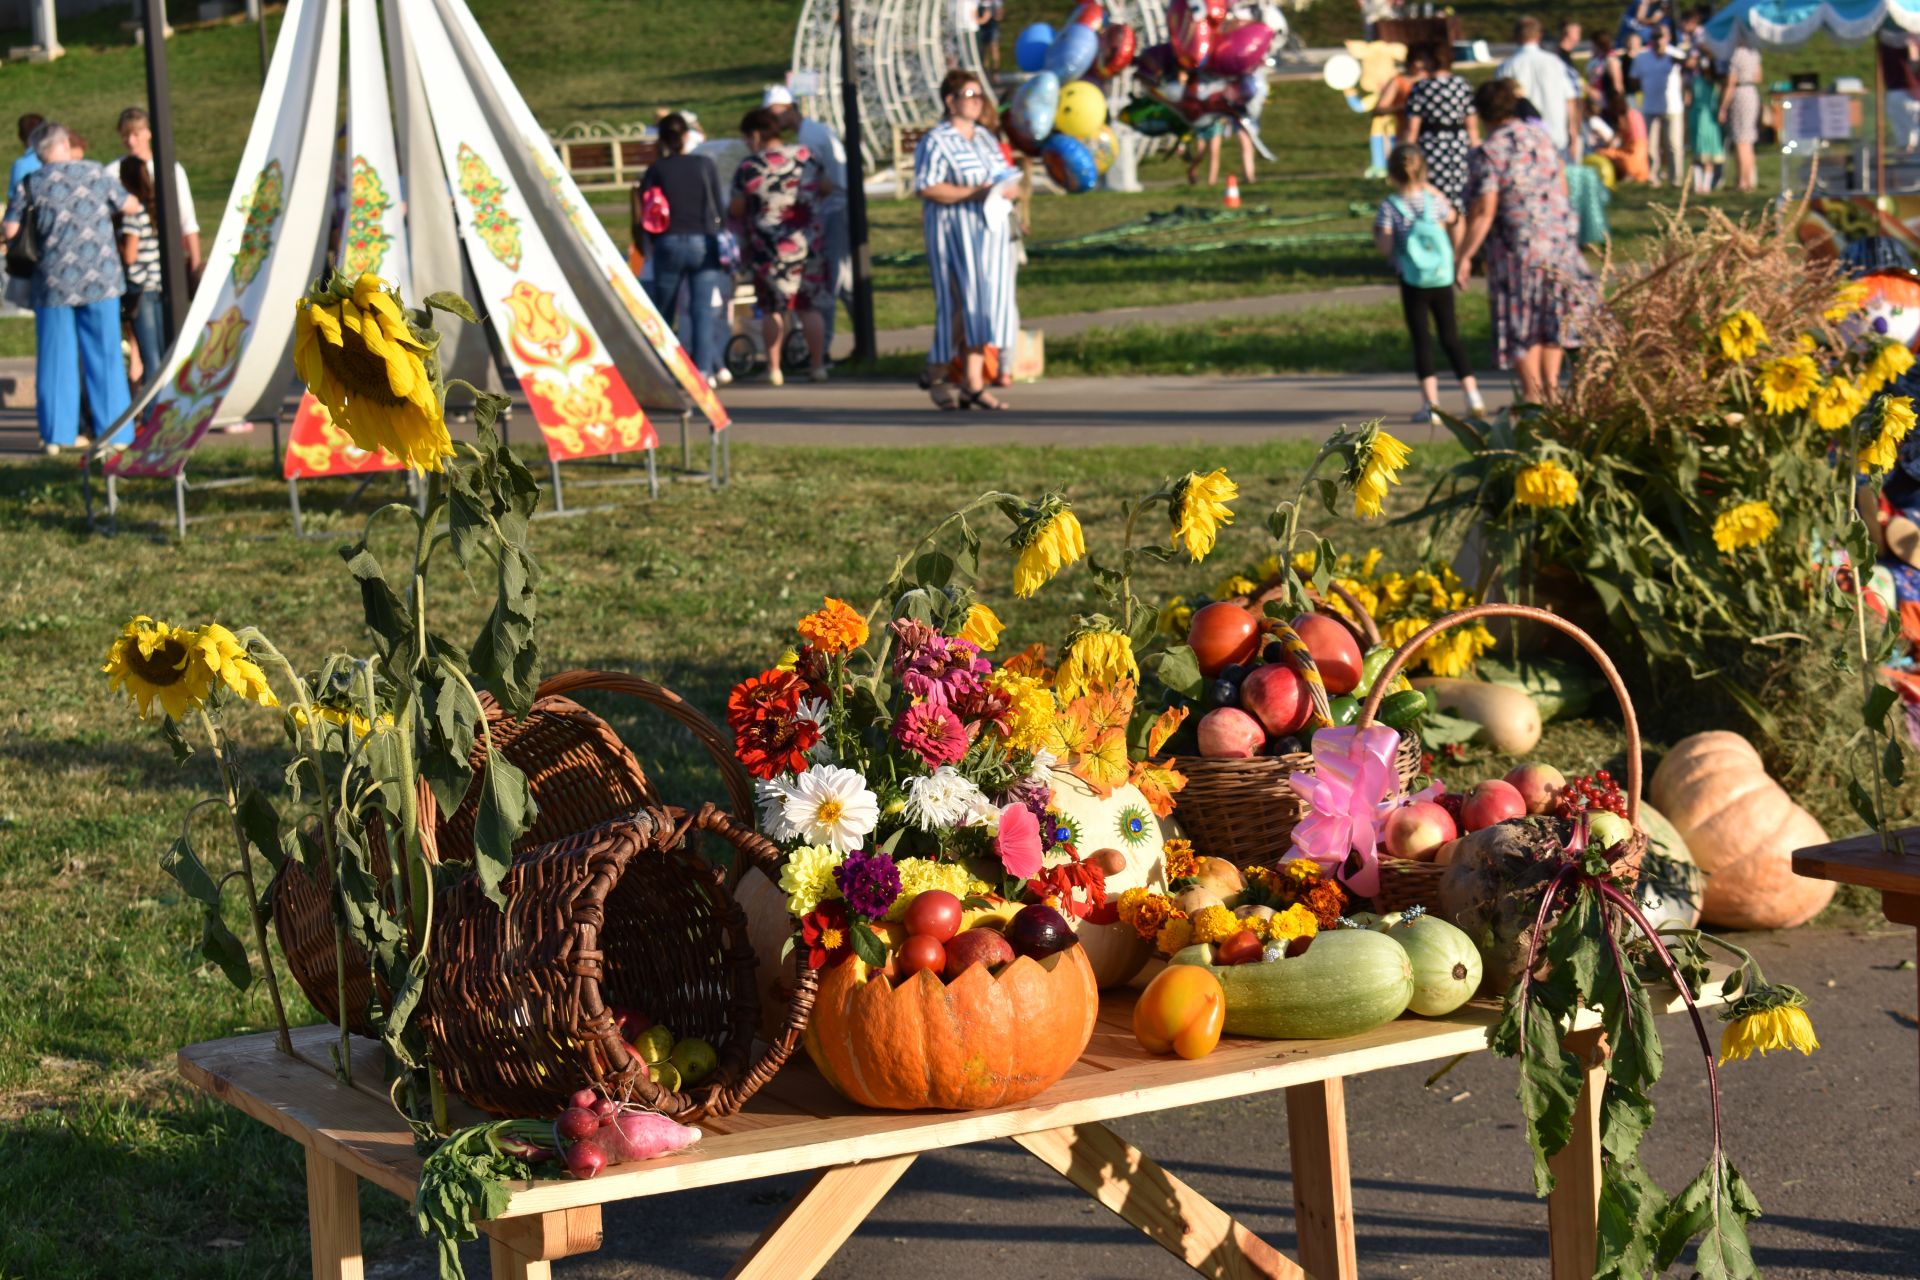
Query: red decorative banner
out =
(583, 405)
(315, 447)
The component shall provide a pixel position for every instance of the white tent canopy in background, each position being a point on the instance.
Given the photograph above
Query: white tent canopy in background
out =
(1791, 22)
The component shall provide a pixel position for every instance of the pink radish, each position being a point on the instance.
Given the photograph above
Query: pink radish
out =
(604, 1108)
(646, 1134)
(576, 1123)
(586, 1158)
(584, 1099)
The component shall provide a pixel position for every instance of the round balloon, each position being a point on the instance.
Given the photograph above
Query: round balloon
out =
(1070, 164)
(1105, 146)
(1088, 13)
(1341, 72)
(1212, 96)
(1082, 111)
(1072, 51)
(1030, 111)
(1116, 50)
(1030, 49)
(1156, 64)
(1241, 50)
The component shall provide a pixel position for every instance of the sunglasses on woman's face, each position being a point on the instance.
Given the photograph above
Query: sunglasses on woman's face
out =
(964, 94)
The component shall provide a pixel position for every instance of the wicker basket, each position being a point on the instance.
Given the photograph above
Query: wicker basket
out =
(517, 1001)
(1244, 810)
(1405, 883)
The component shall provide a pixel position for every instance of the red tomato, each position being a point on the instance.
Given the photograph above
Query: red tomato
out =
(934, 914)
(1242, 947)
(1334, 651)
(1221, 634)
(920, 952)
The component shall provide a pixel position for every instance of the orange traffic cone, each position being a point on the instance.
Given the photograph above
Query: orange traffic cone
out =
(1233, 192)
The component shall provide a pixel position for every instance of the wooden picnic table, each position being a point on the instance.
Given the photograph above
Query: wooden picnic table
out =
(798, 1123)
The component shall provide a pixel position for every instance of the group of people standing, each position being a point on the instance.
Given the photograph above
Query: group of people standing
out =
(95, 287)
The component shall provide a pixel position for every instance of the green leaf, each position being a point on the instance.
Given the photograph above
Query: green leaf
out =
(1625, 1116)
(966, 560)
(1179, 670)
(507, 810)
(453, 722)
(1550, 1084)
(176, 740)
(1862, 802)
(1329, 496)
(1879, 702)
(932, 569)
(184, 865)
(1630, 1208)
(406, 998)
(1577, 943)
(1715, 1206)
(261, 822)
(867, 944)
(453, 304)
(1893, 765)
(218, 944)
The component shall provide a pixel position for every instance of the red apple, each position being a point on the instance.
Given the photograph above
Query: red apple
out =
(920, 952)
(934, 914)
(1334, 651)
(1239, 949)
(1538, 784)
(1490, 803)
(1221, 634)
(1228, 733)
(1277, 696)
(977, 946)
(1416, 830)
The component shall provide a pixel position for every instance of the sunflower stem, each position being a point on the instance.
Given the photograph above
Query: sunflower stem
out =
(1884, 828)
(284, 1037)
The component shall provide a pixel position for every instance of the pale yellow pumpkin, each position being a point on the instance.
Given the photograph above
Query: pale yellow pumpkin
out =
(1742, 828)
(1121, 821)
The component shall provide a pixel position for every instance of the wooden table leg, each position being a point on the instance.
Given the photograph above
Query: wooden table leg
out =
(333, 1219)
(1573, 1207)
(815, 1223)
(1322, 1181)
(524, 1246)
(510, 1264)
(1172, 1214)
(1903, 908)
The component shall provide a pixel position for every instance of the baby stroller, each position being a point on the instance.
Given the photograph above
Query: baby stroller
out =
(746, 352)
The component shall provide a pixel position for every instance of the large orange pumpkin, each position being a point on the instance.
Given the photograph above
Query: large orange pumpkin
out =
(982, 1040)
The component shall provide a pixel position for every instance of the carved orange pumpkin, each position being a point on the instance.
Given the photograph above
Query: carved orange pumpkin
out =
(982, 1040)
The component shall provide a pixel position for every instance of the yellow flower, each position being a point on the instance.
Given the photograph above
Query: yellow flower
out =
(1453, 653)
(1376, 464)
(1847, 299)
(1096, 659)
(1269, 566)
(158, 661)
(1787, 385)
(227, 662)
(1742, 336)
(982, 627)
(362, 360)
(1198, 509)
(1180, 861)
(1029, 708)
(1048, 539)
(1297, 921)
(1303, 561)
(1766, 1019)
(1546, 484)
(1214, 924)
(1238, 584)
(1896, 421)
(1836, 404)
(1890, 361)
(807, 878)
(326, 714)
(1176, 616)
(835, 627)
(1747, 525)
(1177, 933)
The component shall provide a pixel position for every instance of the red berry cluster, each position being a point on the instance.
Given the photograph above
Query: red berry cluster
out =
(1590, 793)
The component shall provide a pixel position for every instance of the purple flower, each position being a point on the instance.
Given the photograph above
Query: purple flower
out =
(934, 667)
(931, 732)
(869, 882)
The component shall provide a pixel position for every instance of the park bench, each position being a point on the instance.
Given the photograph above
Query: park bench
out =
(605, 157)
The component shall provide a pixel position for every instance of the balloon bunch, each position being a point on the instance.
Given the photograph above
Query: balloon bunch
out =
(1205, 72)
(1059, 113)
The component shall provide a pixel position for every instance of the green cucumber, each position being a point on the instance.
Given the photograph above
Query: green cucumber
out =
(1446, 965)
(1370, 668)
(1344, 709)
(1403, 710)
(1346, 982)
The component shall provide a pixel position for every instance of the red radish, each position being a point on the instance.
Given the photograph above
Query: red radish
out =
(920, 952)
(584, 1099)
(1334, 651)
(576, 1123)
(604, 1108)
(642, 1135)
(1491, 803)
(934, 914)
(586, 1158)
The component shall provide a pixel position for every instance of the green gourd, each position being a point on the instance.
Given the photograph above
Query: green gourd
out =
(1347, 981)
(1446, 965)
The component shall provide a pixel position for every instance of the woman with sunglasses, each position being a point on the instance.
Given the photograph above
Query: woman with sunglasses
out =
(959, 173)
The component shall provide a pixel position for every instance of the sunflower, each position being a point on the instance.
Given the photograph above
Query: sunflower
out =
(357, 353)
(156, 660)
(1836, 404)
(1198, 509)
(1546, 484)
(835, 627)
(1890, 361)
(1096, 659)
(1741, 336)
(1896, 421)
(1376, 463)
(1765, 1019)
(1847, 299)
(227, 661)
(983, 627)
(1747, 525)
(1787, 385)
(1048, 538)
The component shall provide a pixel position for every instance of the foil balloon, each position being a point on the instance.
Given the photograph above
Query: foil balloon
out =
(1082, 111)
(1088, 13)
(1070, 164)
(1105, 146)
(1030, 50)
(1030, 111)
(1074, 47)
(1189, 32)
(1341, 72)
(1156, 65)
(1212, 96)
(1152, 119)
(1216, 10)
(1116, 50)
(1240, 51)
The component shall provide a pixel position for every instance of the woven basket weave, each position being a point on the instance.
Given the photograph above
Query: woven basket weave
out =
(1405, 883)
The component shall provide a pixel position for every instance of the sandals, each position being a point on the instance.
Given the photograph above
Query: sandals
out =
(982, 400)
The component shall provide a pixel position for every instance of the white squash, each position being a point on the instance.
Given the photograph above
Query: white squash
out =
(1125, 822)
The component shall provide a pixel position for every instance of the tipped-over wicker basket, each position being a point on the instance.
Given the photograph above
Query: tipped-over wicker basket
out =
(1405, 883)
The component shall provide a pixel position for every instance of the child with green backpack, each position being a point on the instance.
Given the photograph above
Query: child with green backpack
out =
(1419, 230)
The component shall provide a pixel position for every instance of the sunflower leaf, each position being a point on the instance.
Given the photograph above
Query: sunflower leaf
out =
(184, 865)
(453, 304)
(507, 810)
(170, 730)
(261, 822)
(218, 944)
(386, 616)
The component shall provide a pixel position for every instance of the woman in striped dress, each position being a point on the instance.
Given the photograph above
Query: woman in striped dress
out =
(967, 222)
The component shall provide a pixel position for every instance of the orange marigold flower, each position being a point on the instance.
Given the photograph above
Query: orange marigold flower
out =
(1328, 902)
(1178, 933)
(1180, 860)
(836, 627)
(1146, 911)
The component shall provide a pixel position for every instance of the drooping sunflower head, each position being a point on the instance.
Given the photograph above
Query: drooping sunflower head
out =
(1374, 460)
(1890, 361)
(1199, 507)
(1546, 484)
(1766, 1018)
(1895, 420)
(1096, 658)
(982, 627)
(230, 666)
(1742, 335)
(1835, 404)
(1048, 538)
(158, 662)
(373, 368)
(1747, 525)
(1787, 385)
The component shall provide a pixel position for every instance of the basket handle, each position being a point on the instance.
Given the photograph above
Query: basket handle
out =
(1405, 653)
(739, 787)
(1357, 620)
(1309, 670)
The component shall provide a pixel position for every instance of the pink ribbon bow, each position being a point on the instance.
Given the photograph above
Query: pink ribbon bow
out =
(1348, 795)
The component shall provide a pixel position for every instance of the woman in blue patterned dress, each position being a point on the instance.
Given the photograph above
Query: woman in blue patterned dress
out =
(967, 222)
(1538, 286)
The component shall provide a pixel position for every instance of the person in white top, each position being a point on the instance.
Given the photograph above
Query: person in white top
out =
(1664, 106)
(828, 148)
(1543, 80)
(137, 135)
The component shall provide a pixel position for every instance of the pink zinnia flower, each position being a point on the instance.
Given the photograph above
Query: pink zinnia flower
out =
(1018, 842)
(932, 732)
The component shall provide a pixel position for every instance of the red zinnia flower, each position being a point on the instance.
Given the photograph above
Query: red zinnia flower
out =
(771, 695)
(769, 748)
(824, 933)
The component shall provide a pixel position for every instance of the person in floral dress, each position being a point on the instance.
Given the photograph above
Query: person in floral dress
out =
(1538, 285)
(777, 192)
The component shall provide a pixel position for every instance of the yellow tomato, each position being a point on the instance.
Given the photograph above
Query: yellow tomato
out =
(1181, 1010)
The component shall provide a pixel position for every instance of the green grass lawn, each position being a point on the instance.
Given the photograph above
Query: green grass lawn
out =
(106, 1166)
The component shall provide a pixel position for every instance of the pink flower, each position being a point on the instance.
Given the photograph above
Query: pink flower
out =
(1018, 842)
(931, 732)
(1348, 795)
